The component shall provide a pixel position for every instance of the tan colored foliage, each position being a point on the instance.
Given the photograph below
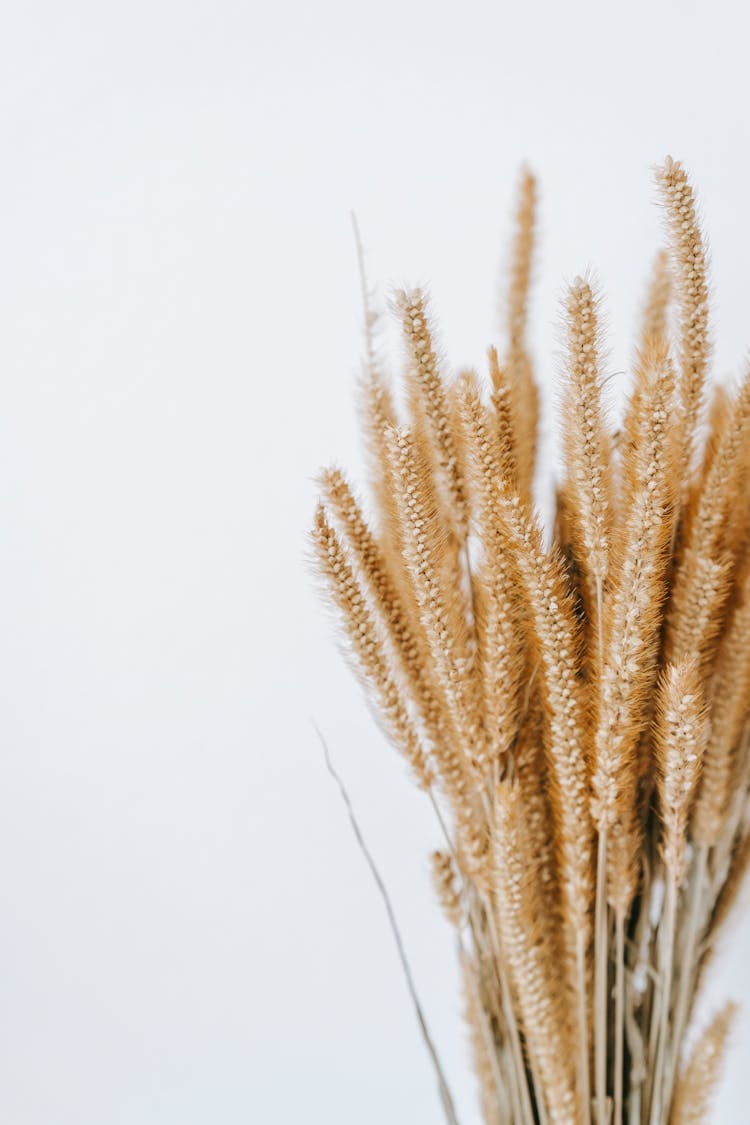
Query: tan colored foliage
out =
(577, 710)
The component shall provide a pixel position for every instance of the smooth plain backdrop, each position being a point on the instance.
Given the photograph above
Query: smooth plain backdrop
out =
(188, 934)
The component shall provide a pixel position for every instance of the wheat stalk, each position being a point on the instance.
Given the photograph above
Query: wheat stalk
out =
(577, 710)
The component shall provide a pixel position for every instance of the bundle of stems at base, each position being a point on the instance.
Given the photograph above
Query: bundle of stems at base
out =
(573, 702)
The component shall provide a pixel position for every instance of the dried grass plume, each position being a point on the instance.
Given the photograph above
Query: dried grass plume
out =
(574, 702)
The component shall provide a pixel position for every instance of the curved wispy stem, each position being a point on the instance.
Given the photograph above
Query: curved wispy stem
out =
(446, 1097)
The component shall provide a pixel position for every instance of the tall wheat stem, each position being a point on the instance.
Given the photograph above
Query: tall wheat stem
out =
(583, 1029)
(619, 1011)
(526, 1112)
(600, 980)
(664, 1001)
(688, 959)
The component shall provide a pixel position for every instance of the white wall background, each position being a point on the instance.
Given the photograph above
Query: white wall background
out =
(187, 932)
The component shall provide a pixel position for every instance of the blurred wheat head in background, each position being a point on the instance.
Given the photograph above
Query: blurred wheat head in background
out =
(575, 704)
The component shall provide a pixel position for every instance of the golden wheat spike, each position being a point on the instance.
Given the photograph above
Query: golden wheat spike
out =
(454, 552)
(444, 879)
(587, 450)
(501, 657)
(728, 702)
(703, 577)
(433, 429)
(738, 519)
(719, 489)
(407, 642)
(348, 595)
(698, 1080)
(427, 386)
(555, 644)
(532, 774)
(656, 308)
(653, 333)
(503, 414)
(690, 273)
(699, 594)
(378, 415)
(441, 612)
(525, 395)
(719, 412)
(633, 616)
(440, 608)
(521, 261)
(370, 313)
(679, 742)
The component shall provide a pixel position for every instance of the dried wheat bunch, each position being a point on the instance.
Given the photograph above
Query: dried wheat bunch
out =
(576, 705)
